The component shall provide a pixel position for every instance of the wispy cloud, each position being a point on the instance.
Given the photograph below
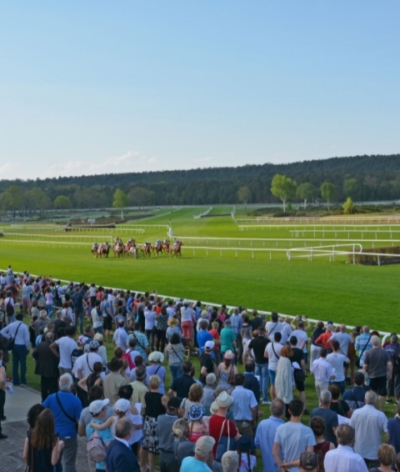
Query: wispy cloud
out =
(131, 161)
(10, 171)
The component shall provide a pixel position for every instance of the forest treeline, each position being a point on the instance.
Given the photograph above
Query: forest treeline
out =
(363, 178)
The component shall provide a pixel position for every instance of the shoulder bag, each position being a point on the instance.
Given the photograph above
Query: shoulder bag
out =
(65, 413)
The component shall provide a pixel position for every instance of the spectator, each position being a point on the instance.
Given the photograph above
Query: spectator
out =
(317, 424)
(2, 393)
(250, 380)
(378, 364)
(338, 361)
(386, 457)
(196, 427)
(63, 349)
(97, 318)
(344, 458)
(247, 460)
(102, 352)
(79, 307)
(362, 345)
(299, 373)
(174, 353)
(236, 325)
(244, 407)
(203, 336)
(256, 322)
(258, 346)
(113, 380)
(161, 328)
(393, 385)
(95, 393)
(165, 436)
(230, 461)
(32, 416)
(329, 416)
(339, 406)
(286, 330)
(120, 458)
(142, 341)
(273, 326)
(139, 387)
(217, 341)
(301, 334)
(173, 327)
(272, 353)
(66, 409)
(108, 316)
(369, 424)
(344, 339)
(322, 372)
(46, 366)
(324, 338)
(19, 333)
(226, 372)
(284, 377)
(292, 438)
(202, 454)
(194, 398)
(206, 361)
(120, 337)
(265, 435)
(355, 395)
(187, 321)
(394, 430)
(228, 339)
(98, 410)
(309, 462)
(315, 349)
(181, 446)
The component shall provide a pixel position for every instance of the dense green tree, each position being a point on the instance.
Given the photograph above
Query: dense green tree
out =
(120, 199)
(328, 192)
(351, 188)
(38, 199)
(62, 202)
(306, 192)
(244, 194)
(13, 199)
(140, 196)
(284, 188)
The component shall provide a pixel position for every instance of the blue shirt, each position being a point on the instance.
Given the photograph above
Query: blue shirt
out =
(265, 440)
(236, 323)
(190, 464)
(105, 435)
(65, 428)
(202, 338)
(394, 433)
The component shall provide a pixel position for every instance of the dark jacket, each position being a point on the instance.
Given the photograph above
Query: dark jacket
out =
(120, 458)
(46, 361)
(251, 383)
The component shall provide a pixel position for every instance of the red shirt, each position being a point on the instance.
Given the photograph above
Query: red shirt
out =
(216, 337)
(215, 426)
(324, 339)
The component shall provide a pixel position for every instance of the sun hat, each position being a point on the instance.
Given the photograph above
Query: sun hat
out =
(224, 400)
(122, 405)
(308, 460)
(211, 379)
(94, 345)
(209, 345)
(204, 314)
(115, 365)
(97, 405)
(174, 403)
(244, 443)
(98, 337)
(204, 446)
(214, 408)
(229, 355)
(195, 413)
(156, 357)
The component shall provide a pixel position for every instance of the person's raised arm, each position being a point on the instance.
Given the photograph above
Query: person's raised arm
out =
(307, 323)
(293, 323)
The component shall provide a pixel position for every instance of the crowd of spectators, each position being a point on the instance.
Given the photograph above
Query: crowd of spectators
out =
(146, 407)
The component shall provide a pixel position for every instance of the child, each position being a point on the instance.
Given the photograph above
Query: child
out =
(244, 447)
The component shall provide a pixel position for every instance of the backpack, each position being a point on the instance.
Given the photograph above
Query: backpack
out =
(96, 448)
(128, 358)
(9, 308)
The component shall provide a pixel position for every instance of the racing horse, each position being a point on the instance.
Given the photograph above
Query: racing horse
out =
(131, 248)
(176, 249)
(146, 249)
(103, 250)
(165, 246)
(94, 249)
(118, 247)
(157, 248)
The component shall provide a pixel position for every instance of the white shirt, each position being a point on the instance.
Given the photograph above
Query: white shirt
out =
(322, 370)
(272, 357)
(85, 364)
(170, 311)
(149, 319)
(96, 321)
(336, 360)
(343, 459)
(273, 327)
(66, 345)
(19, 331)
(186, 313)
(301, 336)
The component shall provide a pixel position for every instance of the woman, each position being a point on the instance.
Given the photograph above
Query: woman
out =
(149, 325)
(175, 355)
(173, 327)
(226, 372)
(152, 408)
(208, 392)
(181, 446)
(315, 350)
(386, 456)
(93, 379)
(156, 358)
(67, 314)
(196, 427)
(284, 377)
(317, 424)
(194, 398)
(245, 331)
(49, 302)
(42, 452)
(161, 328)
(340, 407)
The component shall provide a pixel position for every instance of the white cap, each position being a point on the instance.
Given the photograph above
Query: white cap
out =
(97, 405)
(209, 345)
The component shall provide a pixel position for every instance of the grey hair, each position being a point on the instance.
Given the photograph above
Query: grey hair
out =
(370, 397)
(49, 336)
(365, 329)
(375, 341)
(230, 461)
(345, 435)
(123, 427)
(325, 397)
(277, 408)
(66, 382)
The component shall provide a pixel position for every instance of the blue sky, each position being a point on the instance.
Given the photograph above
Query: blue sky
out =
(101, 87)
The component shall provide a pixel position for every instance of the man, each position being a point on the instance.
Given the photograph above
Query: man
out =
(181, 385)
(46, 366)
(322, 372)
(139, 387)
(165, 436)
(228, 338)
(66, 346)
(344, 458)
(256, 322)
(363, 344)
(229, 462)
(355, 396)
(97, 318)
(324, 338)
(379, 367)
(40, 323)
(265, 435)
(337, 360)
(120, 337)
(142, 343)
(236, 325)
(244, 407)
(308, 462)
(203, 336)
(84, 364)
(344, 339)
(98, 410)
(273, 326)
(2, 393)
(66, 409)
(131, 350)
(330, 417)
(206, 361)
(301, 334)
(258, 346)
(120, 457)
(79, 306)
(250, 380)
(298, 357)
(394, 430)
(369, 424)
(272, 353)
(19, 333)
(286, 330)
(202, 453)
(393, 385)
(107, 315)
(292, 438)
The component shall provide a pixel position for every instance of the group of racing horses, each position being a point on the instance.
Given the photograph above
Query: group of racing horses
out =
(131, 249)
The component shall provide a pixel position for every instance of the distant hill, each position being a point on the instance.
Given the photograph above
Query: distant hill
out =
(361, 177)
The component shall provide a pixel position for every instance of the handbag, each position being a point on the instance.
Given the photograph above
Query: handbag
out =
(225, 443)
(11, 343)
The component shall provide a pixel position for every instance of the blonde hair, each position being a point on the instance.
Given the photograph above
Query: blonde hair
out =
(154, 381)
(180, 428)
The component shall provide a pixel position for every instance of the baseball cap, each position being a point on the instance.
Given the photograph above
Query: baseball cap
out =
(174, 403)
(209, 345)
(308, 460)
(122, 405)
(97, 405)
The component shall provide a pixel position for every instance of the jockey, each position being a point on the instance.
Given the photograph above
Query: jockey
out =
(95, 246)
(158, 242)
